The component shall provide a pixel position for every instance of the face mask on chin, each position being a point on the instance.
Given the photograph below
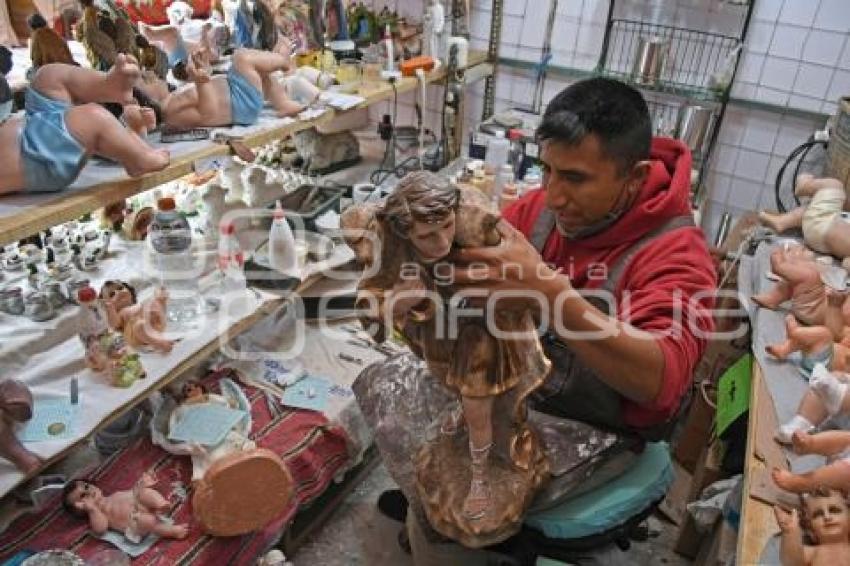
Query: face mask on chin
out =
(610, 218)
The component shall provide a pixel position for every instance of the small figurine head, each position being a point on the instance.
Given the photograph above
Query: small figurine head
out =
(77, 494)
(192, 389)
(826, 513)
(36, 21)
(422, 209)
(119, 293)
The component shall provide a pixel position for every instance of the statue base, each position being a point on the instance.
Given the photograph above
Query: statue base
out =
(443, 476)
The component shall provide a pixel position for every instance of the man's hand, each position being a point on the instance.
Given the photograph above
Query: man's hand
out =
(197, 67)
(512, 266)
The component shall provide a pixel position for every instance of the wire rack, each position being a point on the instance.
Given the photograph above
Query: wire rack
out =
(664, 115)
(690, 58)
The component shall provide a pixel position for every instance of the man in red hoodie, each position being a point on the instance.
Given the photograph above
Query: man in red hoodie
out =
(609, 250)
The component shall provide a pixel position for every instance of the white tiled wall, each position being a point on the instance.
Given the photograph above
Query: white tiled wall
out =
(797, 54)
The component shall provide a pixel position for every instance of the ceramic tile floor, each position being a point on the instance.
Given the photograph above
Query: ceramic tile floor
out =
(358, 534)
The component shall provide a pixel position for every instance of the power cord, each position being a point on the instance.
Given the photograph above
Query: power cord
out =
(799, 153)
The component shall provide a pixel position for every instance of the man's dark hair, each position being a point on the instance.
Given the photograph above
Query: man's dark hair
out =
(5, 60)
(612, 111)
(36, 21)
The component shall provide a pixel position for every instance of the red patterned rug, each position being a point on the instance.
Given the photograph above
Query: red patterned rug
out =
(313, 450)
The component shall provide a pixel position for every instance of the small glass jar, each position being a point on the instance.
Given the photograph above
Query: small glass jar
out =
(349, 74)
(12, 300)
(73, 286)
(53, 290)
(37, 307)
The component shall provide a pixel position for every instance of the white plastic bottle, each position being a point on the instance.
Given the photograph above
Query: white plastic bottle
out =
(231, 259)
(282, 249)
(498, 152)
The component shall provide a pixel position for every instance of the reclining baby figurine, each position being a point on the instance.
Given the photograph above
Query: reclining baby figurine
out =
(46, 149)
(219, 100)
(825, 229)
(135, 512)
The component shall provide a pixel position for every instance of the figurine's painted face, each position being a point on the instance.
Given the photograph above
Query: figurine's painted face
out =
(118, 293)
(829, 517)
(433, 241)
(84, 491)
(191, 390)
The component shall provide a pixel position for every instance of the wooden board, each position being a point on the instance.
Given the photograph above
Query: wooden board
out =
(54, 208)
(758, 523)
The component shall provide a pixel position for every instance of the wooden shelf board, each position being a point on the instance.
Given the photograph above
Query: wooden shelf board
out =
(62, 207)
(758, 522)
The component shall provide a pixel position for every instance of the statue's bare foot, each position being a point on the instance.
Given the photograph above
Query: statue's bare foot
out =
(135, 119)
(774, 221)
(288, 108)
(453, 422)
(788, 481)
(149, 161)
(802, 442)
(477, 501)
(779, 351)
(124, 74)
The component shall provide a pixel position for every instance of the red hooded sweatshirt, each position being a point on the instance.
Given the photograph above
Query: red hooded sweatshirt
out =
(677, 263)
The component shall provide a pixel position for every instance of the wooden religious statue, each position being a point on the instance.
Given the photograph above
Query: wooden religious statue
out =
(479, 473)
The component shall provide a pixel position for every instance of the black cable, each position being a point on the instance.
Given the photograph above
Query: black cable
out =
(800, 152)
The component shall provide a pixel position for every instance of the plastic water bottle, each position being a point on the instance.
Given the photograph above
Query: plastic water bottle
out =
(498, 152)
(170, 237)
(533, 179)
(504, 175)
(230, 258)
(282, 249)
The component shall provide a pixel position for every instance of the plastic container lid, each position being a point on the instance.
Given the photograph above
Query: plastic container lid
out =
(166, 203)
(515, 135)
(86, 294)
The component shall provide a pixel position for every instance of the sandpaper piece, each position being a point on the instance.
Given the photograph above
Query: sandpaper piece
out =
(242, 492)
(767, 449)
(763, 489)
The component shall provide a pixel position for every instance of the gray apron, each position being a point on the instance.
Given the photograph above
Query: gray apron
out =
(572, 390)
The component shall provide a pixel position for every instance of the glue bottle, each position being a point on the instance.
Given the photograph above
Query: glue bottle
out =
(282, 251)
(230, 256)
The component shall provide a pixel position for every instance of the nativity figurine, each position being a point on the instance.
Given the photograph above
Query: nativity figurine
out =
(16, 407)
(835, 474)
(484, 440)
(238, 487)
(223, 100)
(826, 397)
(826, 517)
(141, 324)
(62, 128)
(46, 46)
(134, 512)
(826, 227)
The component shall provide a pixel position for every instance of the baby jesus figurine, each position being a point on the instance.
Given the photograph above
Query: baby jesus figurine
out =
(141, 324)
(406, 244)
(827, 516)
(134, 512)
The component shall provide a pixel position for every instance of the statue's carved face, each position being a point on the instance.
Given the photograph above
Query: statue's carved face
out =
(433, 241)
(829, 517)
(84, 491)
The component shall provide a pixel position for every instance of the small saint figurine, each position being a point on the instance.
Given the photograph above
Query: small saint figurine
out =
(135, 512)
(15, 407)
(826, 516)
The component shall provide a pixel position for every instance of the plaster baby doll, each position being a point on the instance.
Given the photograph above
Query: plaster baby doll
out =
(49, 146)
(217, 100)
(825, 229)
(421, 222)
(826, 515)
(802, 282)
(134, 512)
(141, 324)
